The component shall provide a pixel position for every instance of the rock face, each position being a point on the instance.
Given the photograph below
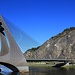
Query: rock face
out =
(61, 46)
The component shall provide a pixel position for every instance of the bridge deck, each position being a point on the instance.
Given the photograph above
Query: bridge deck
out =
(47, 60)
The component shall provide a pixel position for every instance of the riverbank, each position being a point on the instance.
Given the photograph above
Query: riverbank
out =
(49, 65)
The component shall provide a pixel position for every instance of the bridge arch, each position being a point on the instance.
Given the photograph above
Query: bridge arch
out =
(10, 66)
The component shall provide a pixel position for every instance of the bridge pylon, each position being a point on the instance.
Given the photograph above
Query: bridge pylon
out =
(10, 52)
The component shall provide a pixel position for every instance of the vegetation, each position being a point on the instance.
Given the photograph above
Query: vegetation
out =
(66, 31)
(33, 49)
(69, 66)
(48, 65)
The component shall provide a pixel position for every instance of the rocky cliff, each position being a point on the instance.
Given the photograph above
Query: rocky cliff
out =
(61, 46)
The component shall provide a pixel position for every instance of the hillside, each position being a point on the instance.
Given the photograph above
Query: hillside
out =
(61, 46)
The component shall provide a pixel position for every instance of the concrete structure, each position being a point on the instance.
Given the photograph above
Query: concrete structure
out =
(10, 52)
(50, 60)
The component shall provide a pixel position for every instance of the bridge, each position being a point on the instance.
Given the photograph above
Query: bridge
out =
(13, 42)
(51, 60)
(60, 62)
(11, 55)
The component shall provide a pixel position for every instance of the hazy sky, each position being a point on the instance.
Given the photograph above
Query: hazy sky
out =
(41, 19)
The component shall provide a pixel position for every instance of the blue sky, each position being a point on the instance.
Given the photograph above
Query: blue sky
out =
(41, 19)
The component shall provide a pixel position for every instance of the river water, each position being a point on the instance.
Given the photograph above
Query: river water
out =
(51, 71)
(45, 71)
